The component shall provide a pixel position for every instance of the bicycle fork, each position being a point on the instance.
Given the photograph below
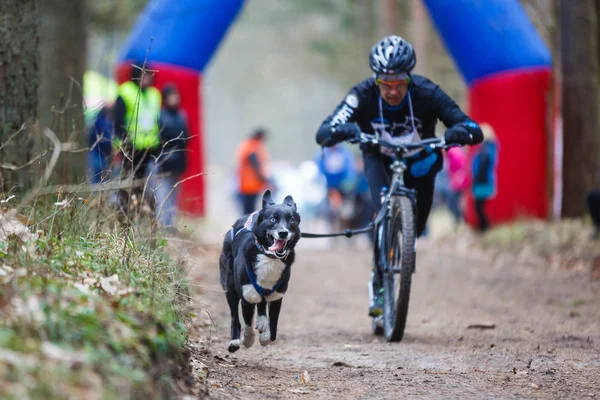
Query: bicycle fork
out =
(378, 242)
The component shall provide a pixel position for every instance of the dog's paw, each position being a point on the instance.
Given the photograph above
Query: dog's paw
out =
(265, 338)
(234, 345)
(262, 323)
(248, 336)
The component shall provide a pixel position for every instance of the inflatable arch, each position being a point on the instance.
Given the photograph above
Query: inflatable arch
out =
(182, 36)
(507, 68)
(498, 51)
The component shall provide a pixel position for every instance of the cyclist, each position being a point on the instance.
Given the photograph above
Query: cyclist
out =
(399, 107)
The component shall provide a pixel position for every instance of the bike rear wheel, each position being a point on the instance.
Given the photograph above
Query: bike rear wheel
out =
(398, 261)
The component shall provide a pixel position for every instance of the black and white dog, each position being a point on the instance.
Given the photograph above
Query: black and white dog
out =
(255, 263)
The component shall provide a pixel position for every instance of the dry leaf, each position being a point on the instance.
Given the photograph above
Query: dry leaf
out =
(305, 378)
(9, 198)
(82, 287)
(10, 224)
(18, 359)
(57, 353)
(111, 284)
(204, 371)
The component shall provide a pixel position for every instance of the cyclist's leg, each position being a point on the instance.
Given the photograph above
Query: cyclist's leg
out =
(425, 188)
(378, 176)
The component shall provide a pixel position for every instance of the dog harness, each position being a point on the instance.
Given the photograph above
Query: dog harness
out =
(263, 292)
(248, 228)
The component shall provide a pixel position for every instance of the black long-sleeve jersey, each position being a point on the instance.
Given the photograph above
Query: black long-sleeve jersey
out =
(364, 106)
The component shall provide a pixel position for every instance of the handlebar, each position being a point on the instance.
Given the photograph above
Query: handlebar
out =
(438, 143)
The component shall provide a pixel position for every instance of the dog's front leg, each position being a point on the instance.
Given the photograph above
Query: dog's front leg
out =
(274, 309)
(262, 323)
(234, 300)
(248, 332)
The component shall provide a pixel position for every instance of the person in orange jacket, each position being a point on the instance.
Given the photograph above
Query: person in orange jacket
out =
(253, 176)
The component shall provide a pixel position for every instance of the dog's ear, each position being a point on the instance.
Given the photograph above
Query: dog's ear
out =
(267, 199)
(289, 201)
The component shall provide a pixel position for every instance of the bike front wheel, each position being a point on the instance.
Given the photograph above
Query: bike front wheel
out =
(398, 262)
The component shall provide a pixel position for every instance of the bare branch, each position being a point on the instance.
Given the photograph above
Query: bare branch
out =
(174, 187)
(13, 167)
(11, 137)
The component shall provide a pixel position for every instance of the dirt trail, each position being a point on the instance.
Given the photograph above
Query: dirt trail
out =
(545, 343)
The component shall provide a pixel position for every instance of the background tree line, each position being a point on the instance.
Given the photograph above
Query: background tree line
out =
(44, 48)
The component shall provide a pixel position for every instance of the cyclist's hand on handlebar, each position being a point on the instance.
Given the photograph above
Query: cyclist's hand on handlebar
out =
(343, 132)
(458, 135)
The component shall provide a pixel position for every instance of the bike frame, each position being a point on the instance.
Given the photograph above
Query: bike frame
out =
(397, 188)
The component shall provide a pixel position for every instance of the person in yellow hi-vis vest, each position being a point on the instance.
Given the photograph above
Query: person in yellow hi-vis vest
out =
(137, 110)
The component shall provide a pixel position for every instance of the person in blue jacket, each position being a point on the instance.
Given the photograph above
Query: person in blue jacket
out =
(484, 175)
(171, 160)
(336, 164)
(99, 139)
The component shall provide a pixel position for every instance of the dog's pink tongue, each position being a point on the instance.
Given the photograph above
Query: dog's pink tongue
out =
(277, 245)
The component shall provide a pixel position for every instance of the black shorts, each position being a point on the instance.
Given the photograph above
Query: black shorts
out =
(379, 174)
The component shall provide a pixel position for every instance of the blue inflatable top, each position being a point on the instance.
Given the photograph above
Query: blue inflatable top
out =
(486, 37)
(185, 32)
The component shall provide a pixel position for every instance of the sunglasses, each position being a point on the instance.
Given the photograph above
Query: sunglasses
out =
(392, 84)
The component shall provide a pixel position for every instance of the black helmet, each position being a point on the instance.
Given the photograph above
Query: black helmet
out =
(392, 55)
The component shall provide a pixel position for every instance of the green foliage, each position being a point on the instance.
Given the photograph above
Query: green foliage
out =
(88, 312)
(566, 243)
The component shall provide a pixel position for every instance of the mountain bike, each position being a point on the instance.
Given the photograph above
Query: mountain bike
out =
(395, 228)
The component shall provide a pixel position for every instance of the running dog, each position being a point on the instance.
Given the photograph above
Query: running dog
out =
(255, 264)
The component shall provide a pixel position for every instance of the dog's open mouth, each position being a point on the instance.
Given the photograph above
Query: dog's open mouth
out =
(278, 246)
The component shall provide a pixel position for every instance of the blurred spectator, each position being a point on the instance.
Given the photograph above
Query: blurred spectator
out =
(459, 180)
(484, 174)
(442, 188)
(594, 208)
(171, 160)
(100, 135)
(137, 110)
(336, 164)
(252, 169)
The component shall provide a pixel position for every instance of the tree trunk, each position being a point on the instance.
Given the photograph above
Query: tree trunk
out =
(579, 60)
(62, 65)
(366, 20)
(554, 149)
(419, 35)
(19, 22)
(389, 17)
